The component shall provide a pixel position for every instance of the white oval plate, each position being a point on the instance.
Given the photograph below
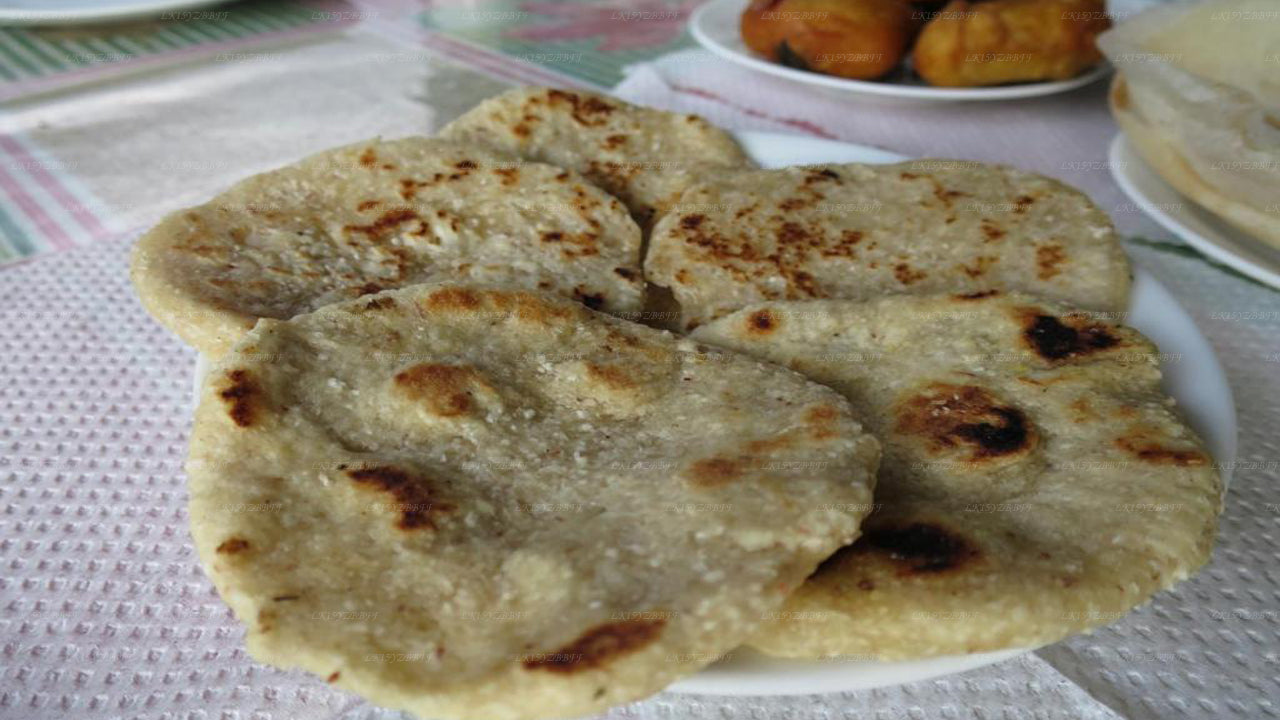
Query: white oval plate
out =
(60, 12)
(1181, 216)
(715, 27)
(1196, 380)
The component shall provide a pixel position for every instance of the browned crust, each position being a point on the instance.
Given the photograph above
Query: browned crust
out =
(919, 548)
(1144, 445)
(445, 389)
(715, 472)
(417, 501)
(242, 396)
(1063, 339)
(233, 546)
(599, 646)
(948, 417)
(762, 322)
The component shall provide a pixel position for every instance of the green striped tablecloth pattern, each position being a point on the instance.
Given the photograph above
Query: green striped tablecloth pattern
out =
(43, 205)
(581, 42)
(35, 60)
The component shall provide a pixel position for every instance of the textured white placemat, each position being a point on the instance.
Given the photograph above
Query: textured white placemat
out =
(104, 612)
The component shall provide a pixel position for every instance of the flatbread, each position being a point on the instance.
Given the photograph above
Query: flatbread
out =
(492, 503)
(645, 157)
(1163, 151)
(860, 231)
(1036, 481)
(1200, 105)
(378, 215)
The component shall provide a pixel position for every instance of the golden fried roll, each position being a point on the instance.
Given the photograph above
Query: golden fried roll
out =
(1007, 41)
(762, 27)
(926, 8)
(857, 39)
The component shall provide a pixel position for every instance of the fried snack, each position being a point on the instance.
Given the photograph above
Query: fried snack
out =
(856, 39)
(927, 9)
(1007, 41)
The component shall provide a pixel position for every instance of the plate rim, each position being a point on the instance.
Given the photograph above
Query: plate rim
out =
(1120, 155)
(706, 40)
(819, 676)
(17, 17)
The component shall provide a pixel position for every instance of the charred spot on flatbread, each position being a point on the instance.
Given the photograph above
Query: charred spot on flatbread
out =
(598, 646)
(233, 546)
(919, 548)
(417, 501)
(593, 300)
(906, 274)
(243, 397)
(1049, 261)
(1057, 339)
(762, 322)
(382, 303)
(387, 222)
(445, 390)
(978, 295)
(715, 471)
(948, 417)
(1149, 447)
(588, 110)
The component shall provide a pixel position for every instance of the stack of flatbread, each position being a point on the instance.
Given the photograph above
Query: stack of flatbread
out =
(439, 463)
(1197, 95)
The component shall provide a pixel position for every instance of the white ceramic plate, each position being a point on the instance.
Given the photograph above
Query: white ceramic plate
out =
(715, 27)
(1196, 380)
(1181, 216)
(60, 12)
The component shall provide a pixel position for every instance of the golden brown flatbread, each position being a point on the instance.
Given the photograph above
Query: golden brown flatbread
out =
(493, 503)
(645, 157)
(858, 231)
(383, 214)
(1036, 480)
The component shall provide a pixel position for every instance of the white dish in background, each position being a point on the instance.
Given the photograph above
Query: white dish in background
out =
(1196, 380)
(715, 26)
(1181, 216)
(62, 12)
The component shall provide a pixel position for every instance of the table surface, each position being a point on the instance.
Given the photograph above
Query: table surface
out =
(104, 611)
